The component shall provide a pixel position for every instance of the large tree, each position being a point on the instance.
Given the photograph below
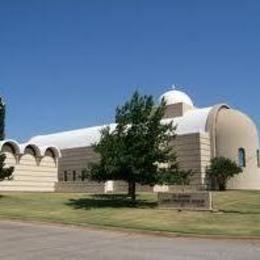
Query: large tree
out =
(5, 172)
(138, 150)
(220, 170)
(2, 119)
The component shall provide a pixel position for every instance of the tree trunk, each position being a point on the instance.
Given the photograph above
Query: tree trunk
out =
(222, 186)
(132, 190)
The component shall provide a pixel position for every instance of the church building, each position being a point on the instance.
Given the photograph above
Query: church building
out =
(55, 162)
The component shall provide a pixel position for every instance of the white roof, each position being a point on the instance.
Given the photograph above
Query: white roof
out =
(193, 121)
(175, 96)
(72, 139)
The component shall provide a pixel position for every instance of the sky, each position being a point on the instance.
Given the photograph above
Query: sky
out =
(67, 64)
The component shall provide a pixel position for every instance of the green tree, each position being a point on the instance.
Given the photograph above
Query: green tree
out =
(2, 119)
(221, 169)
(5, 172)
(139, 149)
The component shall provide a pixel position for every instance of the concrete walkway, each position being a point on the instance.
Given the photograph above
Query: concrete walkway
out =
(25, 241)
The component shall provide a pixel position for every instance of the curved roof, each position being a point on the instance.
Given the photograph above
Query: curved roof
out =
(71, 139)
(39, 149)
(175, 96)
(53, 148)
(193, 121)
(34, 146)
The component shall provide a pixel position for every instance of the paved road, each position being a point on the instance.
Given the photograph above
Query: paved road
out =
(25, 241)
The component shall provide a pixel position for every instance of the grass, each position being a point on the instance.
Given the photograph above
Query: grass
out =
(239, 212)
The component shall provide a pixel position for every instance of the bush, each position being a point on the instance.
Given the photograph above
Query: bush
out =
(221, 169)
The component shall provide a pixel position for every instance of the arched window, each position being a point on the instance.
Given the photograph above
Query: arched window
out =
(242, 157)
(258, 158)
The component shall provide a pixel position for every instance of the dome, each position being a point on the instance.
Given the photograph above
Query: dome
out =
(175, 96)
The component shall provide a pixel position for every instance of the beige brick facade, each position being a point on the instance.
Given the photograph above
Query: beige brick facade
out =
(32, 173)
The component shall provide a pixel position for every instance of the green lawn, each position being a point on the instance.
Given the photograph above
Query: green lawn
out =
(239, 212)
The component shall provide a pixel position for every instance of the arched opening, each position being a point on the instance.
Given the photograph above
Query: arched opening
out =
(49, 160)
(49, 152)
(11, 146)
(8, 147)
(30, 150)
(29, 157)
(242, 157)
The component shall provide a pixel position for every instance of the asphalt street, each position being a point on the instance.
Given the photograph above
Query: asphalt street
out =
(25, 241)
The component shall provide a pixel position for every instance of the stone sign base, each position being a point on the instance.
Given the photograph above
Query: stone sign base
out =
(186, 200)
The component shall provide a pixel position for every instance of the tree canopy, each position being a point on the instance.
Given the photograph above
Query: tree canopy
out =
(5, 172)
(139, 149)
(221, 169)
(2, 120)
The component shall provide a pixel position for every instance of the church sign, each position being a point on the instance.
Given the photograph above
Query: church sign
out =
(186, 200)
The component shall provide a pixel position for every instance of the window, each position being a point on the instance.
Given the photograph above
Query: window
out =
(242, 157)
(82, 175)
(74, 176)
(65, 176)
(258, 158)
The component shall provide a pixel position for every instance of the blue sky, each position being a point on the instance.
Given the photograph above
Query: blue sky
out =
(66, 64)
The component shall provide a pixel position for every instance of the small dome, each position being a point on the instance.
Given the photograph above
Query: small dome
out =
(175, 96)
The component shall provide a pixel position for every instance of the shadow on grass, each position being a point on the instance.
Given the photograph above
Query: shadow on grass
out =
(241, 212)
(109, 201)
